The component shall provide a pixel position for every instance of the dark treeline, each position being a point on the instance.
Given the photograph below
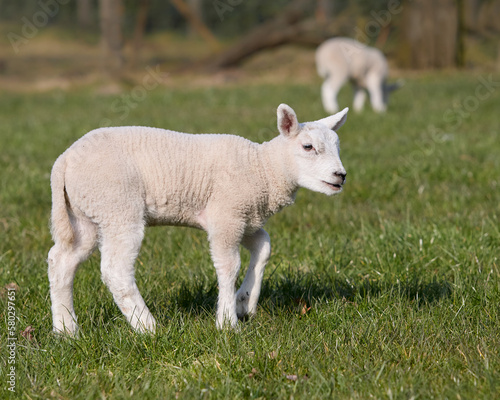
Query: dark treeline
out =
(223, 17)
(422, 33)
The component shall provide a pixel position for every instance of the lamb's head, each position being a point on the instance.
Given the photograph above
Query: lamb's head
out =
(313, 148)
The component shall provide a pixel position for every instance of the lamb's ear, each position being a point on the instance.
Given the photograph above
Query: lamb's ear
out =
(335, 121)
(288, 125)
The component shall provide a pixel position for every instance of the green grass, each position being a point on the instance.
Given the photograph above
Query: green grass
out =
(390, 290)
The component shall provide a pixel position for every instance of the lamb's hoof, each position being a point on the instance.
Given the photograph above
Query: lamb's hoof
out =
(228, 324)
(65, 327)
(147, 327)
(65, 333)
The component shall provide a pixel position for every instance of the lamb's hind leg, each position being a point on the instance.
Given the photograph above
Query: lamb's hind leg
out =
(63, 260)
(374, 85)
(359, 98)
(120, 246)
(259, 245)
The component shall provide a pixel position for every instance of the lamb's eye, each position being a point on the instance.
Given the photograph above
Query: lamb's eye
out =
(307, 147)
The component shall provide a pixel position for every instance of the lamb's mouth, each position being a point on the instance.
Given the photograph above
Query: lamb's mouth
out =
(335, 186)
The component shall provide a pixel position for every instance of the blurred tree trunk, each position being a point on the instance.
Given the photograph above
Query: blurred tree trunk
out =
(488, 21)
(382, 37)
(110, 15)
(196, 7)
(461, 32)
(84, 13)
(429, 34)
(324, 12)
(140, 28)
(195, 22)
(472, 8)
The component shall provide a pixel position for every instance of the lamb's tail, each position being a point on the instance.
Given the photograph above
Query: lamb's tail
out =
(322, 66)
(60, 227)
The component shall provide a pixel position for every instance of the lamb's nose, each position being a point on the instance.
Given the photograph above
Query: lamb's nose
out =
(341, 175)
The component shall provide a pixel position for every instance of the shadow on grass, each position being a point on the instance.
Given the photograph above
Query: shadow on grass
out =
(309, 289)
(294, 290)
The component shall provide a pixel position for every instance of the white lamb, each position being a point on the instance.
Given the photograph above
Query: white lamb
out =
(341, 59)
(113, 182)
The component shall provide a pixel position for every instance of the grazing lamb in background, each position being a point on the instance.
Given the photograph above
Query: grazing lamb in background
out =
(341, 59)
(113, 182)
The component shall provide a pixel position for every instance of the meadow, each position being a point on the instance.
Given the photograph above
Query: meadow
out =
(390, 290)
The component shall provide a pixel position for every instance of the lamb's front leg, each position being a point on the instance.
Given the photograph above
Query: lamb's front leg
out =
(227, 263)
(259, 245)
